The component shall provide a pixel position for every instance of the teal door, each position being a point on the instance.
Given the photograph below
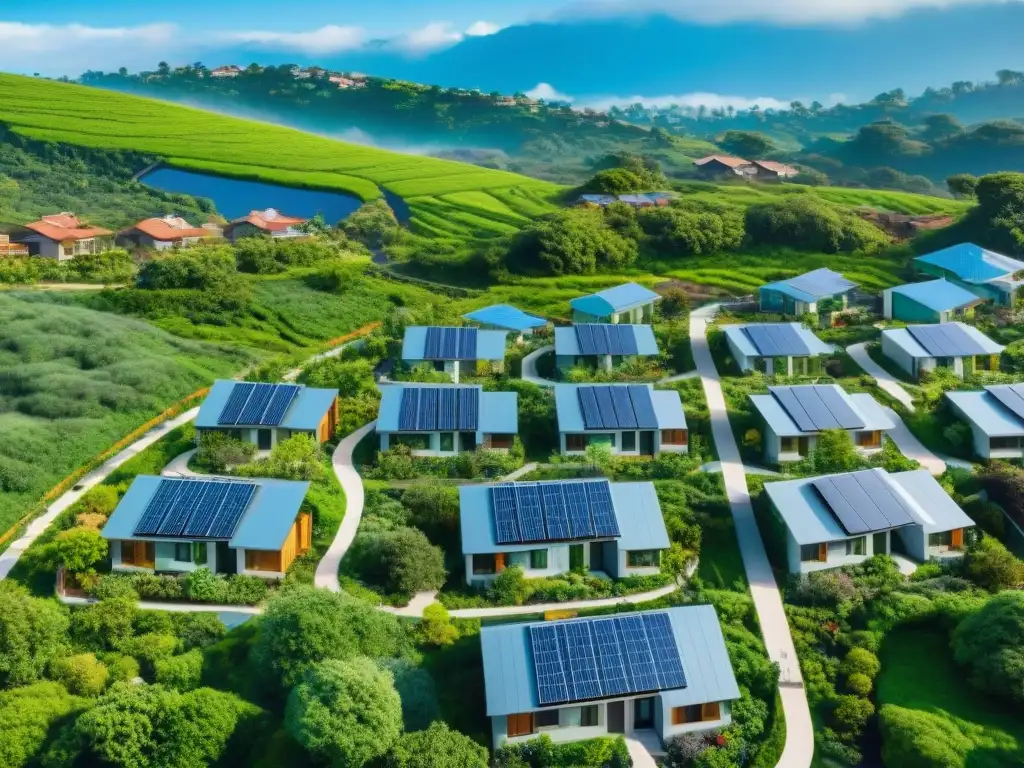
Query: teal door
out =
(576, 558)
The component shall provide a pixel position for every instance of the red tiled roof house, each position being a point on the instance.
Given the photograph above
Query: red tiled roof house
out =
(769, 169)
(268, 222)
(62, 236)
(723, 165)
(162, 233)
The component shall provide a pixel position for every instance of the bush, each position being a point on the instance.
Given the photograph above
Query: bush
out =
(436, 628)
(859, 684)
(107, 625)
(151, 646)
(407, 562)
(182, 673)
(198, 630)
(851, 714)
(32, 633)
(570, 242)
(204, 586)
(913, 738)
(122, 668)
(862, 661)
(437, 747)
(151, 586)
(79, 550)
(509, 587)
(683, 232)
(991, 565)
(607, 752)
(82, 675)
(243, 589)
(113, 585)
(988, 643)
(27, 715)
(218, 451)
(809, 223)
(417, 691)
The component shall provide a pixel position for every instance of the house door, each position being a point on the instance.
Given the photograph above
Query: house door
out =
(643, 713)
(227, 559)
(880, 543)
(596, 556)
(576, 559)
(646, 443)
(263, 439)
(616, 717)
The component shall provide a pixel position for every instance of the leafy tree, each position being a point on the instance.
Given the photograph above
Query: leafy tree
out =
(204, 268)
(374, 225)
(416, 689)
(991, 565)
(570, 242)
(297, 458)
(437, 747)
(746, 144)
(345, 712)
(835, 452)
(104, 625)
(942, 126)
(218, 451)
(988, 643)
(962, 185)
(82, 674)
(1000, 211)
(32, 633)
(434, 506)
(26, 717)
(436, 628)
(808, 222)
(860, 661)
(349, 377)
(79, 550)
(681, 231)
(615, 181)
(182, 673)
(404, 561)
(851, 713)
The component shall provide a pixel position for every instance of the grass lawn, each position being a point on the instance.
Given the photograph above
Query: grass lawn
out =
(721, 566)
(918, 672)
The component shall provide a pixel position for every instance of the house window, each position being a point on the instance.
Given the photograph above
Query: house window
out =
(643, 558)
(483, 565)
(1003, 443)
(601, 439)
(629, 441)
(697, 713)
(183, 553)
(547, 718)
(814, 553)
(538, 559)
(789, 445)
(447, 441)
(141, 554)
(262, 560)
(856, 546)
(502, 441)
(414, 442)
(673, 437)
(941, 539)
(589, 716)
(869, 439)
(198, 552)
(575, 442)
(520, 725)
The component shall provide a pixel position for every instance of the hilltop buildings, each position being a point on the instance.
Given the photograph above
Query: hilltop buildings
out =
(63, 236)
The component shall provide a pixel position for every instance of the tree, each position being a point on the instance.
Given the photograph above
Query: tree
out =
(835, 452)
(962, 185)
(682, 232)
(218, 451)
(404, 561)
(374, 225)
(988, 643)
(434, 506)
(79, 549)
(304, 625)
(297, 458)
(1000, 211)
(615, 181)
(436, 628)
(349, 377)
(598, 454)
(437, 747)
(570, 242)
(345, 712)
(26, 717)
(746, 144)
(1009, 77)
(809, 223)
(106, 625)
(991, 565)
(182, 673)
(163, 68)
(860, 661)
(32, 634)
(939, 127)
(417, 691)
(82, 674)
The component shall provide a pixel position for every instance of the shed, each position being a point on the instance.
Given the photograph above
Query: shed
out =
(987, 274)
(626, 303)
(961, 348)
(505, 317)
(933, 301)
(800, 295)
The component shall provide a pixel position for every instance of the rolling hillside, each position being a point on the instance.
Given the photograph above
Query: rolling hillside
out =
(203, 141)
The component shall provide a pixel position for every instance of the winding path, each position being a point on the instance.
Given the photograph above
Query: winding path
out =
(889, 383)
(799, 749)
(530, 367)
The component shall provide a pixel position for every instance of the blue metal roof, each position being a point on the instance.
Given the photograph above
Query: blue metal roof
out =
(813, 286)
(938, 295)
(490, 345)
(305, 413)
(668, 408)
(267, 520)
(806, 343)
(509, 673)
(505, 316)
(617, 299)
(498, 411)
(783, 425)
(972, 263)
(985, 412)
(567, 342)
(980, 343)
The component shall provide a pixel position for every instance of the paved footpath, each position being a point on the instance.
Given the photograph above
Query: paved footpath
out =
(530, 367)
(799, 749)
(888, 382)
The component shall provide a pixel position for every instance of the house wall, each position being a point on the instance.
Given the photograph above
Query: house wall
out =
(836, 557)
(619, 565)
(164, 558)
(985, 291)
(558, 562)
(435, 444)
(642, 315)
(903, 359)
(277, 434)
(906, 309)
(772, 445)
(776, 301)
(663, 720)
(617, 443)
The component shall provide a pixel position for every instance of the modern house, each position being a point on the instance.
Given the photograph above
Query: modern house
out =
(632, 419)
(162, 233)
(269, 222)
(773, 171)
(548, 528)
(267, 414)
(996, 417)
(786, 349)
(724, 165)
(664, 672)
(63, 236)
(445, 420)
(933, 301)
(961, 348)
(504, 317)
(626, 303)
(843, 519)
(794, 417)
(802, 294)
(455, 351)
(602, 346)
(175, 525)
(984, 273)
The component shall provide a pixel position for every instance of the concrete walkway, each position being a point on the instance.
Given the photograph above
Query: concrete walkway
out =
(639, 745)
(714, 467)
(530, 367)
(799, 749)
(97, 476)
(911, 447)
(889, 383)
(178, 466)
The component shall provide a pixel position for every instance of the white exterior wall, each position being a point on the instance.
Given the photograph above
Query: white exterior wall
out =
(745, 363)
(435, 445)
(163, 558)
(624, 570)
(836, 557)
(558, 562)
(277, 435)
(915, 540)
(617, 443)
(773, 446)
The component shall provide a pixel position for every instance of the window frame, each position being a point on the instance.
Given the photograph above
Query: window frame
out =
(179, 548)
(574, 441)
(640, 558)
(680, 437)
(940, 539)
(590, 716)
(851, 546)
(446, 437)
(629, 437)
(540, 719)
(535, 557)
(818, 549)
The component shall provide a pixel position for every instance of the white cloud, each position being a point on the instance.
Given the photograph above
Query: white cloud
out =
(547, 92)
(70, 49)
(327, 39)
(39, 38)
(696, 99)
(483, 29)
(434, 36)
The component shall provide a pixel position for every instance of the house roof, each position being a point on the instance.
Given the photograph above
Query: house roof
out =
(65, 226)
(938, 295)
(811, 521)
(984, 411)
(490, 345)
(668, 408)
(780, 168)
(505, 316)
(269, 220)
(729, 160)
(497, 412)
(567, 340)
(617, 299)
(782, 423)
(972, 263)
(973, 342)
(789, 340)
(512, 688)
(265, 524)
(812, 286)
(305, 412)
(636, 508)
(168, 228)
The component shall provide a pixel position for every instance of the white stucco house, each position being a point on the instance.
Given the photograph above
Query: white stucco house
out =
(961, 348)
(786, 349)
(63, 236)
(602, 346)
(456, 351)
(996, 418)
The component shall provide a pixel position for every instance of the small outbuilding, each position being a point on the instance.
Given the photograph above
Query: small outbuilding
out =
(996, 418)
(456, 351)
(785, 349)
(933, 301)
(961, 348)
(802, 294)
(505, 317)
(626, 303)
(990, 275)
(724, 165)
(602, 346)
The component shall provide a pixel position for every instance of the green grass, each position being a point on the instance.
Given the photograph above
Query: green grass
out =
(918, 673)
(721, 566)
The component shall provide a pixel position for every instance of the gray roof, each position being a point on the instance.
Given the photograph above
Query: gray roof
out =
(978, 343)
(567, 343)
(305, 412)
(783, 425)
(812, 286)
(509, 674)
(804, 342)
(668, 408)
(498, 411)
(984, 411)
(637, 512)
(810, 520)
(490, 345)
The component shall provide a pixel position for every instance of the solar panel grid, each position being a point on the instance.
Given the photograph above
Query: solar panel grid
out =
(606, 406)
(530, 512)
(552, 686)
(1011, 396)
(158, 506)
(857, 497)
(788, 340)
(506, 519)
(585, 339)
(279, 403)
(625, 418)
(579, 661)
(763, 343)
(469, 407)
(812, 402)
(581, 524)
(256, 405)
(959, 339)
(639, 661)
(845, 514)
(446, 409)
(432, 345)
(602, 340)
(643, 408)
(610, 663)
(198, 525)
(664, 650)
(791, 404)
(185, 503)
(236, 402)
(592, 416)
(407, 413)
(238, 497)
(839, 408)
(426, 415)
(556, 515)
(627, 339)
(467, 343)
(599, 497)
(889, 503)
(449, 343)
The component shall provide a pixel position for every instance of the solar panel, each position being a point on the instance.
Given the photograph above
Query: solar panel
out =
(467, 343)
(185, 503)
(812, 403)
(945, 340)
(1011, 396)
(599, 496)
(580, 522)
(408, 411)
(579, 661)
(236, 402)
(857, 496)
(256, 405)
(159, 505)
(446, 409)
(279, 403)
(606, 406)
(839, 408)
(788, 400)
(884, 498)
(468, 406)
(230, 512)
(776, 340)
(637, 651)
(610, 663)
(663, 647)
(764, 343)
(506, 521)
(585, 339)
(592, 416)
(426, 416)
(552, 687)
(198, 525)
(624, 416)
(626, 341)
(449, 343)
(556, 515)
(843, 510)
(643, 408)
(530, 512)
(432, 346)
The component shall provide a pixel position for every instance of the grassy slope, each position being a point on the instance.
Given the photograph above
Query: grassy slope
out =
(191, 138)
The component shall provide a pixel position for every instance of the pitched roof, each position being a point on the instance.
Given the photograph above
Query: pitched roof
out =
(775, 340)
(65, 226)
(505, 316)
(667, 404)
(972, 263)
(970, 342)
(781, 421)
(987, 413)
(771, 165)
(729, 160)
(617, 299)
(814, 285)
(169, 228)
(498, 412)
(938, 295)
(490, 345)
(305, 412)
(269, 220)
(567, 340)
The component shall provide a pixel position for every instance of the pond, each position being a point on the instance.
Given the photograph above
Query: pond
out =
(234, 198)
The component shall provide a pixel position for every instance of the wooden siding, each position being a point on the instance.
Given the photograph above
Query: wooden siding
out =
(329, 423)
(300, 539)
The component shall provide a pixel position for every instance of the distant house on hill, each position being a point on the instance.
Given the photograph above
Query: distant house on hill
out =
(724, 165)
(162, 233)
(9, 249)
(268, 222)
(639, 200)
(769, 169)
(228, 71)
(996, 418)
(984, 273)
(62, 236)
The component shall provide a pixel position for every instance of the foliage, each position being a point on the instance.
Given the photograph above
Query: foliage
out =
(437, 747)
(607, 752)
(433, 507)
(989, 644)
(345, 712)
(300, 457)
(219, 450)
(417, 691)
(990, 565)
(436, 628)
(746, 144)
(267, 255)
(182, 672)
(374, 225)
(962, 184)
(691, 230)
(998, 219)
(82, 674)
(807, 222)
(404, 561)
(921, 739)
(570, 242)
(26, 716)
(32, 634)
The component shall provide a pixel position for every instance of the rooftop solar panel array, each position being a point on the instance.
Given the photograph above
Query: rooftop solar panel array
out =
(617, 407)
(587, 659)
(450, 344)
(603, 339)
(257, 404)
(1010, 395)
(945, 340)
(553, 511)
(863, 502)
(816, 407)
(776, 340)
(195, 509)
(432, 409)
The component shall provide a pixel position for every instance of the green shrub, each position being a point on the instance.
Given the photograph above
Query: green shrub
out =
(862, 661)
(988, 643)
(150, 647)
(417, 691)
(107, 625)
(809, 223)
(198, 630)
(859, 684)
(990, 565)
(27, 715)
(151, 586)
(122, 668)
(33, 632)
(606, 752)
(436, 628)
(913, 738)
(509, 587)
(182, 673)
(204, 586)
(437, 747)
(243, 589)
(113, 585)
(82, 675)
(218, 451)
(851, 714)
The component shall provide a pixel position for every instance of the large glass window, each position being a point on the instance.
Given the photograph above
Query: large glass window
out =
(483, 565)
(814, 553)
(447, 441)
(415, 442)
(538, 559)
(199, 552)
(629, 441)
(789, 444)
(941, 539)
(643, 558)
(547, 718)
(857, 546)
(183, 553)
(601, 439)
(575, 442)
(1003, 443)
(589, 716)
